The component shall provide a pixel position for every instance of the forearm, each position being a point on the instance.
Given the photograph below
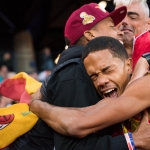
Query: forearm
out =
(77, 122)
(141, 69)
(82, 121)
(61, 119)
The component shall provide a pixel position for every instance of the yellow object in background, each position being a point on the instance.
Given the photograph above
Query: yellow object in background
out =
(16, 119)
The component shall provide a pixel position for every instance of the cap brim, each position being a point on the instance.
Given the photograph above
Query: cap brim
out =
(118, 15)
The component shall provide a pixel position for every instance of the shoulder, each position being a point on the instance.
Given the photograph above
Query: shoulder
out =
(72, 71)
(143, 81)
(139, 88)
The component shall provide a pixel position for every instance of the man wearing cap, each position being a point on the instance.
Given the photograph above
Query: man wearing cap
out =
(72, 87)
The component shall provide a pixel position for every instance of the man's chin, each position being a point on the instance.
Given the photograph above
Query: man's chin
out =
(128, 39)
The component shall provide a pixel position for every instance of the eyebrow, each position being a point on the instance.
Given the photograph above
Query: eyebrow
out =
(103, 70)
(132, 13)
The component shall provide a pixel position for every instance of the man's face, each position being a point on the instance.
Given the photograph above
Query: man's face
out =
(109, 74)
(105, 28)
(135, 22)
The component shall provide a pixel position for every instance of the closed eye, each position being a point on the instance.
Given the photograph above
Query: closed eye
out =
(133, 15)
(109, 71)
(133, 18)
(93, 77)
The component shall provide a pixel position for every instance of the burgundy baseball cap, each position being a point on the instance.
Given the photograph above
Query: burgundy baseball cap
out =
(86, 17)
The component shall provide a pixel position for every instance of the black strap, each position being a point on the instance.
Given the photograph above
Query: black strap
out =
(74, 60)
(44, 85)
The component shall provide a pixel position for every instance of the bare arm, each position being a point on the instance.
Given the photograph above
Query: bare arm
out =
(141, 69)
(82, 121)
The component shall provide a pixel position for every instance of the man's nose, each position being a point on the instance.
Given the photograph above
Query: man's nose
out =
(102, 81)
(125, 21)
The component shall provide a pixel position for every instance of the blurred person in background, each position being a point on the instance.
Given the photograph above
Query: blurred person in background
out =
(3, 73)
(43, 75)
(136, 26)
(46, 64)
(46, 60)
(7, 60)
(33, 74)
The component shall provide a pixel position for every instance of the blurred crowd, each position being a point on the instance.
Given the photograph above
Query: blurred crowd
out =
(45, 65)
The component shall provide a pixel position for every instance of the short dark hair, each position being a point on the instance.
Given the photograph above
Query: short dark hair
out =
(80, 41)
(67, 41)
(105, 42)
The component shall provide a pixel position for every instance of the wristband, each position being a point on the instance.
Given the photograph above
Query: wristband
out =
(32, 102)
(147, 57)
(130, 142)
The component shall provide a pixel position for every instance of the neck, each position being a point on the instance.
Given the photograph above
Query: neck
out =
(128, 47)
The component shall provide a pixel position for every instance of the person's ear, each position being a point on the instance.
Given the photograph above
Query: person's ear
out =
(88, 35)
(129, 65)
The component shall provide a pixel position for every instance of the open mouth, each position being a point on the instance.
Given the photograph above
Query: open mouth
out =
(111, 93)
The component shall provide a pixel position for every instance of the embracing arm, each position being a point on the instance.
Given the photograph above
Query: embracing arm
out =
(141, 69)
(82, 121)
